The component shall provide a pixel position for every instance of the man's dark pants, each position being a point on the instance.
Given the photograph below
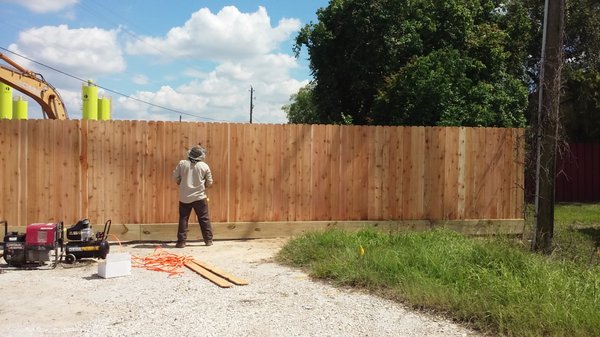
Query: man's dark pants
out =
(201, 209)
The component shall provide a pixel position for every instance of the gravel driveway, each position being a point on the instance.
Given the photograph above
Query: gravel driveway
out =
(279, 301)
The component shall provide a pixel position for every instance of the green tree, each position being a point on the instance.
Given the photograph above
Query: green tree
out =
(417, 62)
(580, 102)
(442, 89)
(580, 105)
(301, 109)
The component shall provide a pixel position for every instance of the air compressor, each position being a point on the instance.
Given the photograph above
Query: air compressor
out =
(83, 243)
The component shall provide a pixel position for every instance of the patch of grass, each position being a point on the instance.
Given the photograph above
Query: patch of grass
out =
(489, 284)
(577, 214)
(577, 233)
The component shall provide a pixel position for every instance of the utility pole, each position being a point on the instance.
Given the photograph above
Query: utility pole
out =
(547, 123)
(251, 102)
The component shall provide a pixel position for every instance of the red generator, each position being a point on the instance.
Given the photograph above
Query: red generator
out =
(38, 245)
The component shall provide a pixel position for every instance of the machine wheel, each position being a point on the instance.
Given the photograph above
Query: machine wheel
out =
(70, 258)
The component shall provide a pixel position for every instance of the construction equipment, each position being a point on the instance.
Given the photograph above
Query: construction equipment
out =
(43, 242)
(84, 244)
(33, 85)
(33, 248)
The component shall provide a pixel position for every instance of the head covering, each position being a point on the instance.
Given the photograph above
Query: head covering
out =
(196, 154)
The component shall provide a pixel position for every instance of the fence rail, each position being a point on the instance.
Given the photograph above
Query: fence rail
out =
(65, 170)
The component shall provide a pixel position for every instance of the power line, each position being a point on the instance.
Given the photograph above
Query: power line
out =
(111, 90)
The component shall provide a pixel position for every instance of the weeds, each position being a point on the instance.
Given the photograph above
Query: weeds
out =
(493, 285)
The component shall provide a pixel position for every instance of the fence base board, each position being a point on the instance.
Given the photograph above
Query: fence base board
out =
(266, 230)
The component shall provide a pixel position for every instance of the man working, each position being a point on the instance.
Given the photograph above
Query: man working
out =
(193, 177)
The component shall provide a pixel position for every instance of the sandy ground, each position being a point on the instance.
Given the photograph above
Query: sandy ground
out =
(279, 301)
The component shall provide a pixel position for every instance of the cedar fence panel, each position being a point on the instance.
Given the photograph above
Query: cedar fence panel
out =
(121, 170)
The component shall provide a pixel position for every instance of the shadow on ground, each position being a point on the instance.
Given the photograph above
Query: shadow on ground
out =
(593, 233)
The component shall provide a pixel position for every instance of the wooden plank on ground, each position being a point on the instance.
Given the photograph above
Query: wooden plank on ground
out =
(229, 277)
(221, 282)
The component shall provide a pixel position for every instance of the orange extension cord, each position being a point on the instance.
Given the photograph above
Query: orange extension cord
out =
(160, 261)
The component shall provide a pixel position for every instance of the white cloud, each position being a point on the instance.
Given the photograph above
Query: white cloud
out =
(45, 6)
(265, 71)
(83, 52)
(87, 53)
(227, 35)
(73, 103)
(164, 97)
(194, 73)
(223, 94)
(140, 79)
(244, 46)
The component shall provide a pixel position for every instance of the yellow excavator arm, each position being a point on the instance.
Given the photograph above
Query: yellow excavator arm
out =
(34, 86)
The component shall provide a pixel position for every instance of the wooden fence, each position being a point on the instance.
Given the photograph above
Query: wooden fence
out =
(121, 170)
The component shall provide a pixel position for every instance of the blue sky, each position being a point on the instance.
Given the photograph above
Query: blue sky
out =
(195, 57)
